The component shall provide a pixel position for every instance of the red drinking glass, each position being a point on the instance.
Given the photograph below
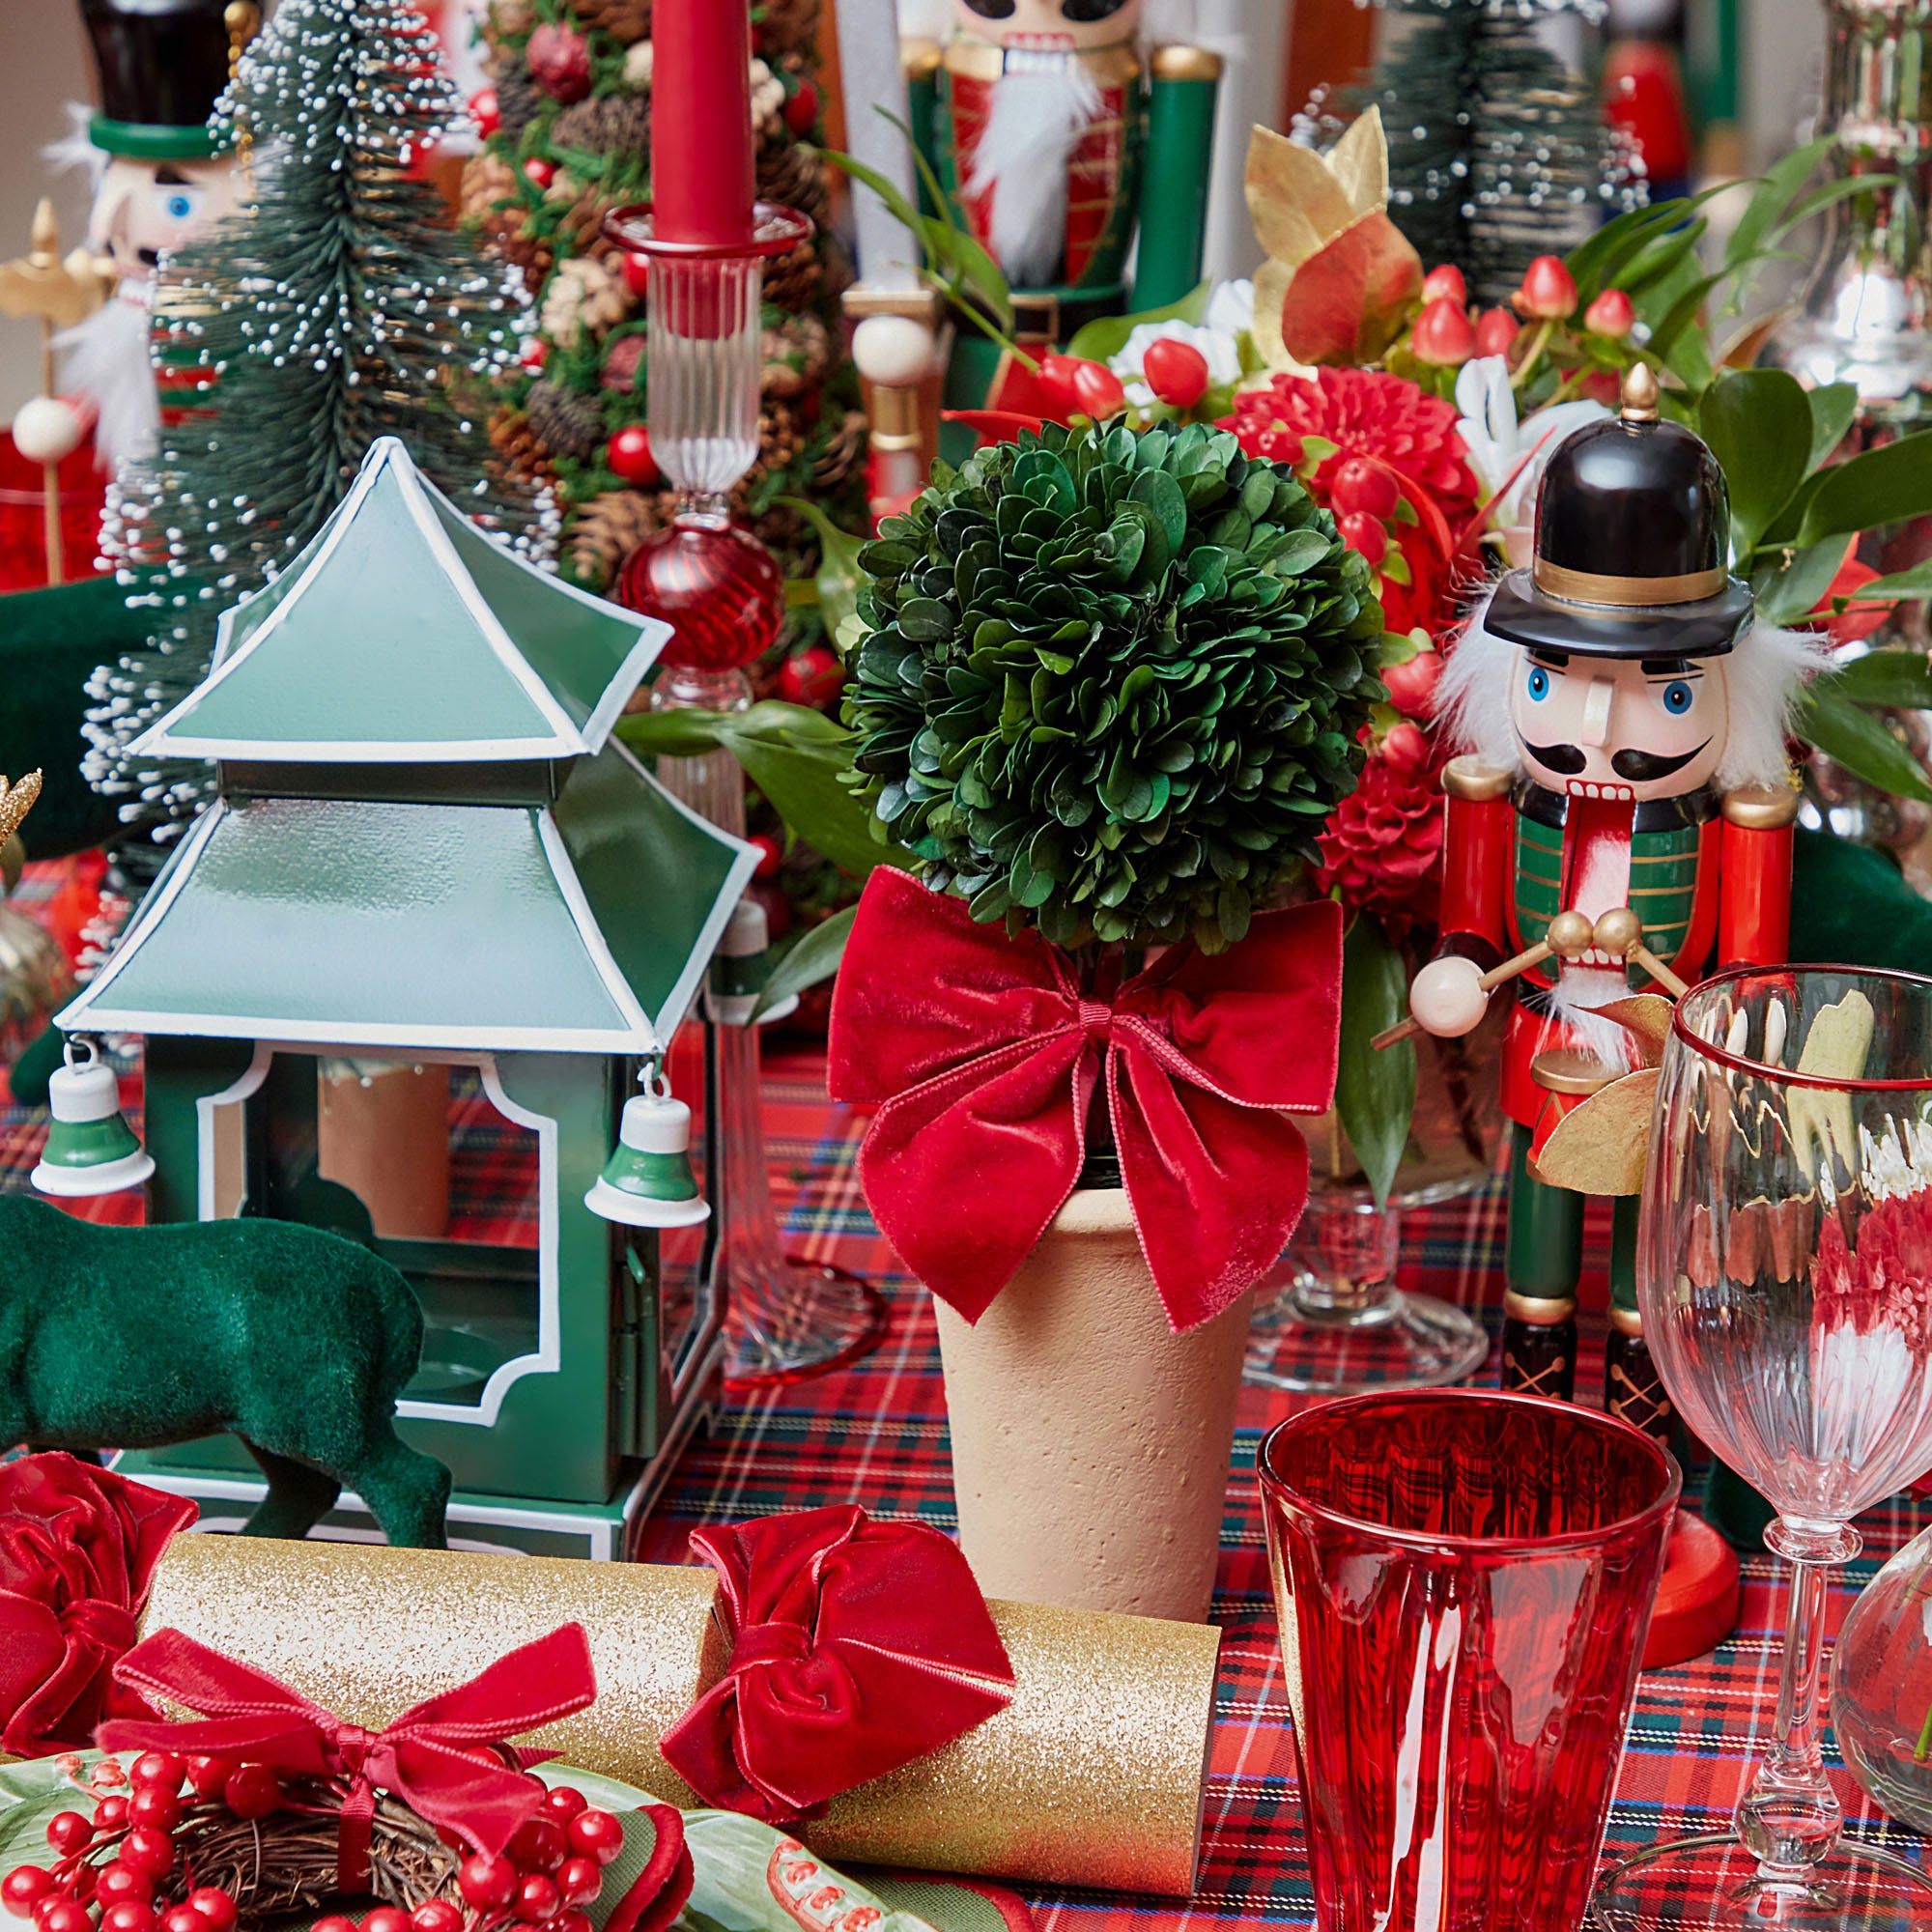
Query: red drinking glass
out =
(1464, 1581)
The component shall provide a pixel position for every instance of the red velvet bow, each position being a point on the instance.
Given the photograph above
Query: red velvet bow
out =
(429, 1757)
(984, 1052)
(856, 1647)
(77, 1547)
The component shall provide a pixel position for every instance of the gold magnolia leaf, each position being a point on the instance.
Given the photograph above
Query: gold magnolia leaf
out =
(1599, 1147)
(1647, 1017)
(16, 804)
(1348, 303)
(1360, 163)
(1272, 285)
(1294, 201)
(1835, 1048)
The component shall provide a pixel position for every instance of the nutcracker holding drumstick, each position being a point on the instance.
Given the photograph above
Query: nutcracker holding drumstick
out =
(1620, 823)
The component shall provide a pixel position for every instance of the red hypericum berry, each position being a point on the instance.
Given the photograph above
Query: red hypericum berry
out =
(1442, 335)
(252, 1791)
(217, 1906)
(538, 172)
(1445, 281)
(1496, 329)
(1548, 290)
(563, 1802)
(129, 1915)
(1365, 534)
(148, 1850)
(182, 1919)
(771, 854)
(629, 454)
(387, 1918)
(801, 112)
(539, 1845)
(597, 1835)
(570, 1919)
(487, 1882)
(1176, 372)
(538, 1899)
(1610, 314)
(1360, 485)
(118, 1882)
(23, 1887)
(68, 1832)
(208, 1776)
(485, 112)
(334, 1921)
(813, 677)
(437, 1915)
(160, 1770)
(151, 1804)
(580, 1879)
(1411, 686)
(1405, 748)
(110, 1814)
(63, 1914)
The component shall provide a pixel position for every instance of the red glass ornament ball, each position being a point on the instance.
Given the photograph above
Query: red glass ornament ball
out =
(771, 854)
(719, 588)
(118, 1882)
(208, 1776)
(68, 1832)
(801, 112)
(129, 1915)
(387, 1918)
(184, 1919)
(23, 1887)
(162, 1770)
(487, 1882)
(1176, 372)
(597, 1835)
(63, 1914)
(1365, 534)
(154, 1804)
(539, 1845)
(148, 1850)
(334, 1921)
(437, 1915)
(538, 172)
(110, 1814)
(1366, 487)
(812, 676)
(252, 1791)
(485, 112)
(538, 1899)
(214, 1905)
(629, 454)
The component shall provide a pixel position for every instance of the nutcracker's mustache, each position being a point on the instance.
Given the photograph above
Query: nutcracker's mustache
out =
(1639, 767)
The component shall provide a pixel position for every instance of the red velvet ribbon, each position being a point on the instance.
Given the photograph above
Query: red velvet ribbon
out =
(982, 1052)
(856, 1647)
(440, 1757)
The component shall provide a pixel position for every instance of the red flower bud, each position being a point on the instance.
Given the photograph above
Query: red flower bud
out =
(1176, 372)
(1442, 334)
(1495, 331)
(1405, 748)
(1610, 314)
(1075, 385)
(1445, 281)
(1548, 290)
(1411, 684)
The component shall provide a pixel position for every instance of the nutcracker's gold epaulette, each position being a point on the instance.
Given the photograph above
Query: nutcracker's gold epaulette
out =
(1181, 63)
(1468, 778)
(1761, 807)
(921, 57)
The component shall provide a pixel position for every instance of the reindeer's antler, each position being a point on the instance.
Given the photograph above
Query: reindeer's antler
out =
(17, 802)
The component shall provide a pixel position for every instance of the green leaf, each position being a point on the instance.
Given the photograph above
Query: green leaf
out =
(1781, 182)
(1161, 494)
(839, 574)
(1894, 677)
(1106, 336)
(1375, 1093)
(814, 958)
(1883, 486)
(1833, 408)
(1913, 582)
(1759, 424)
(1787, 594)
(1860, 743)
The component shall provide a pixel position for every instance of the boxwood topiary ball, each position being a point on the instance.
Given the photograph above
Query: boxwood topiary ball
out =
(1113, 682)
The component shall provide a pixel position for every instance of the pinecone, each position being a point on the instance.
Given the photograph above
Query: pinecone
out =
(793, 281)
(565, 423)
(509, 17)
(841, 456)
(624, 21)
(785, 26)
(517, 98)
(795, 357)
(503, 233)
(580, 232)
(487, 180)
(794, 177)
(608, 124)
(514, 442)
(612, 526)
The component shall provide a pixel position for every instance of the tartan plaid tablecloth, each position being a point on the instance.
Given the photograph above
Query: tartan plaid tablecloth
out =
(875, 1434)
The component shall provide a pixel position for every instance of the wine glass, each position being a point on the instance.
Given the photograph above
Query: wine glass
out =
(1783, 1264)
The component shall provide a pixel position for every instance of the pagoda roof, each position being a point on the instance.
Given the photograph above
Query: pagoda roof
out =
(581, 927)
(403, 633)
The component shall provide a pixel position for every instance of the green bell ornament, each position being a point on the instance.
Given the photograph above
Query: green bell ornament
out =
(90, 1150)
(648, 1182)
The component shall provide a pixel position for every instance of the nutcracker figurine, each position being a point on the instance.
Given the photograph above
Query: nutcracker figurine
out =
(1620, 823)
(1054, 139)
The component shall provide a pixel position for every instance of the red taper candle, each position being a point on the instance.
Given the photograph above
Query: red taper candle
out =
(702, 179)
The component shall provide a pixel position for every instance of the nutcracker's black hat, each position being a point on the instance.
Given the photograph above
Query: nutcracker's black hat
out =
(1632, 542)
(162, 66)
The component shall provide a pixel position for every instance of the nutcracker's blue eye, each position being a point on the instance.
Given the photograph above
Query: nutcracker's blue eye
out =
(177, 207)
(1539, 683)
(1677, 697)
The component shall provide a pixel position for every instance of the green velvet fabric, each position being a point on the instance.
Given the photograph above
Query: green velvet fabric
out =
(294, 1338)
(28, 1076)
(51, 641)
(1851, 906)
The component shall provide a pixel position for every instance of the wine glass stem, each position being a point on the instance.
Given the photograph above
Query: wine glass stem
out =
(1789, 1819)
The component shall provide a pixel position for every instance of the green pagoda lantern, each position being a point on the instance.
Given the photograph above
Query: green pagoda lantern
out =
(429, 857)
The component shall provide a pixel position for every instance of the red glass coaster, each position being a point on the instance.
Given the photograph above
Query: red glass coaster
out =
(1697, 1599)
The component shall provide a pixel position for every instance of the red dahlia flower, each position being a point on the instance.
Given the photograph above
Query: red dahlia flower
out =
(1380, 848)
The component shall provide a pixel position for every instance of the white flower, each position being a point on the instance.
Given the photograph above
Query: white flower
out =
(1229, 316)
(1498, 444)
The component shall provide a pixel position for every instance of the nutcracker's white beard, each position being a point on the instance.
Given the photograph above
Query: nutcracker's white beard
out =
(1043, 103)
(106, 359)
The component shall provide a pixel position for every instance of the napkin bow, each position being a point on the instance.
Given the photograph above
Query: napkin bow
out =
(856, 1647)
(983, 1052)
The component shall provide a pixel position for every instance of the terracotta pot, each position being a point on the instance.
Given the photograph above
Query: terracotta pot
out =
(1090, 1443)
